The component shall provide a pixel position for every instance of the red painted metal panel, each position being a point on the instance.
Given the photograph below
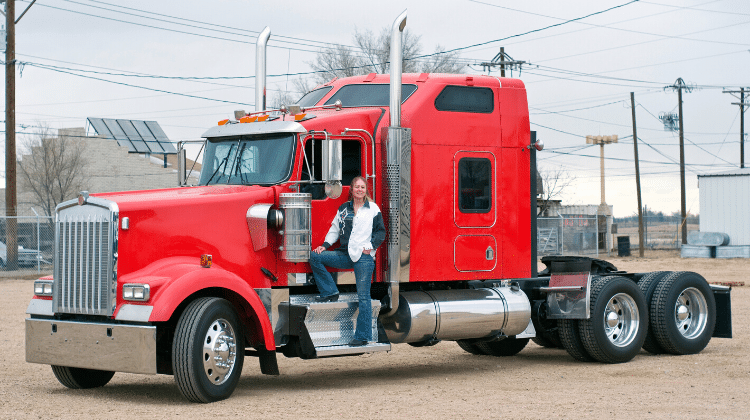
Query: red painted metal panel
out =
(475, 253)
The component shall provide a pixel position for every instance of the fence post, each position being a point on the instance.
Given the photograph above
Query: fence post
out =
(38, 250)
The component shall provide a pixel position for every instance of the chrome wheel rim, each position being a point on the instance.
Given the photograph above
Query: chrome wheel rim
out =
(691, 313)
(621, 320)
(219, 351)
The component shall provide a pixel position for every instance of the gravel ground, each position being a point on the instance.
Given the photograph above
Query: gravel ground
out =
(434, 382)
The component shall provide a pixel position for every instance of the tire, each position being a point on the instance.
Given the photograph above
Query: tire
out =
(79, 378)
(570, 338)
(208, 350)
(503, 348)
(618, 325)
(648, 284)
(684, 313)
(470, 347)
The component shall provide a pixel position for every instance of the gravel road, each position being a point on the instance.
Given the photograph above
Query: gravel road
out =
(434, 382)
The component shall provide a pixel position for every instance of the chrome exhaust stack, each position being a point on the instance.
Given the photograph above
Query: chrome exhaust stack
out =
(397, 151)
(260, 69)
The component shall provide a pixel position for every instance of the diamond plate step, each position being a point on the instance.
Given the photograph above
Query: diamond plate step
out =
(330, 325)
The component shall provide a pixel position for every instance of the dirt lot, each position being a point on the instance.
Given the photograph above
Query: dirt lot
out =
(435, 382)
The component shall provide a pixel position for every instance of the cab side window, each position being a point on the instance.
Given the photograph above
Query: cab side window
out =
(475, 185)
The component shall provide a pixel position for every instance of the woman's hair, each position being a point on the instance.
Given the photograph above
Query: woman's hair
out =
(351, 188)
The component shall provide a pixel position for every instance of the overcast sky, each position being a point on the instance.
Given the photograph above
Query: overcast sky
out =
(81, 57)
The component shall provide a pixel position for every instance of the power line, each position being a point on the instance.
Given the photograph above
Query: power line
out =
(529, 32)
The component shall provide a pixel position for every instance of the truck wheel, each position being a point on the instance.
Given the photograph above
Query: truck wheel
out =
(470, 347)
(571, 340)
(208, 350)
(648, 284)
(619, 320)
(684, 313)
(506, 347)
(79, 378)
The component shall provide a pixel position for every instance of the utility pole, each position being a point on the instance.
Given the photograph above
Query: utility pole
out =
(679, 85)
(11, 223)
(502, 60)
(603, 211)
(637, 179)
(743, 106)
(11, 204)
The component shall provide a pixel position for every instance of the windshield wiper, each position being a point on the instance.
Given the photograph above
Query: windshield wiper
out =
(218, 167)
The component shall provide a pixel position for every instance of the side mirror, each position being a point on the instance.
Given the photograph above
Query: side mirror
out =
(332, 167)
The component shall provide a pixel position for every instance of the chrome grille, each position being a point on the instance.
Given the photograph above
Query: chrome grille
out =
(85, 252)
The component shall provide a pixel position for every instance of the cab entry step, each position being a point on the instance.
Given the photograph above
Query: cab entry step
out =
(326, 328)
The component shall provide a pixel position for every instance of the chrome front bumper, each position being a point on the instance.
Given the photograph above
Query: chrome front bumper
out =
(113, 347)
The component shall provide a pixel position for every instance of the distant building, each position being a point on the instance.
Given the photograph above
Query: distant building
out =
(111, 167)
(725, 204)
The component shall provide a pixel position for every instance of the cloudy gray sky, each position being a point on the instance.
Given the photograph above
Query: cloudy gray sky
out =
(188, 64)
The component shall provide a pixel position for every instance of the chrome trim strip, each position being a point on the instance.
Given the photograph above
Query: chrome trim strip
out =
(40, 307)
(135, 313)
(113, 347)
(562, 289)
(344, 350)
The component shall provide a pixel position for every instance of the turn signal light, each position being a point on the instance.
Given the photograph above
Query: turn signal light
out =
(206, 260)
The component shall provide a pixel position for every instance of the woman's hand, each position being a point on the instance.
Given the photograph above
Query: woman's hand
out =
(367, 251)
(319, 249)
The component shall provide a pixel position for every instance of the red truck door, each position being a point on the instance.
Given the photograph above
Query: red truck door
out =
(475, 248)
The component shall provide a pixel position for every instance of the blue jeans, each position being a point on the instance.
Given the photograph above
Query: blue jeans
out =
(363, 269)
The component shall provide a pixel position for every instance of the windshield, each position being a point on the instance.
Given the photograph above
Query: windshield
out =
(312, 98)
(248, 160)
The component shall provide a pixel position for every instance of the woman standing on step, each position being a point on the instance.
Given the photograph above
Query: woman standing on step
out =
(358, 225)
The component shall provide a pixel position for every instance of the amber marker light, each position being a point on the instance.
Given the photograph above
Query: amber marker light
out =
(263, 118)
(299, 117)
(222, 122)
(206, 261)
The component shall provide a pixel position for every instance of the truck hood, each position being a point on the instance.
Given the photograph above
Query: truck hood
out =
(188, 222)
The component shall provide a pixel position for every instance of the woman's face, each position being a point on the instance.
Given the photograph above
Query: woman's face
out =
(359, 190)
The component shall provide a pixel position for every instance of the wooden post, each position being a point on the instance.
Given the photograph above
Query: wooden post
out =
(637, 178)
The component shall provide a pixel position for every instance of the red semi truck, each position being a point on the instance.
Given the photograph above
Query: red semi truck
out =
(189, 281)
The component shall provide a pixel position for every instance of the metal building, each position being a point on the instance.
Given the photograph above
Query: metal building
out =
(725, 204)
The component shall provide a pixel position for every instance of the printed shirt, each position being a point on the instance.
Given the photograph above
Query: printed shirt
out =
(365, 230)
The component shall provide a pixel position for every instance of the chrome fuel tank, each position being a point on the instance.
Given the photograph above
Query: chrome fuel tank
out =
(458, 315)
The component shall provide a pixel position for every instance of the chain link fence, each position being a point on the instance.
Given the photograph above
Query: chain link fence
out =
(659, 232)
(35, 237)
(567, 235)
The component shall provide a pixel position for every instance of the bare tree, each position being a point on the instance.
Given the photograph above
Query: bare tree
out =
(53, 169)
(372, 52)
(554, 183)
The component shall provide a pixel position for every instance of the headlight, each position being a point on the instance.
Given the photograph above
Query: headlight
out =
(43, 287)
(136, 292)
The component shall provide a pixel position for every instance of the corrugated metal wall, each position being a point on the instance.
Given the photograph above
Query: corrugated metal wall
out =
(725, 206)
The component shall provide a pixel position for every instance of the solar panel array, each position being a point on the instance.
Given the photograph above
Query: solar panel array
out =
(138, 136)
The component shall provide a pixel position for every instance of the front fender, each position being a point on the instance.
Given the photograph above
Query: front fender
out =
(173, 280)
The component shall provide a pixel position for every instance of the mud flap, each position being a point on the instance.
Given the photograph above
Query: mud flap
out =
(723, 328)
